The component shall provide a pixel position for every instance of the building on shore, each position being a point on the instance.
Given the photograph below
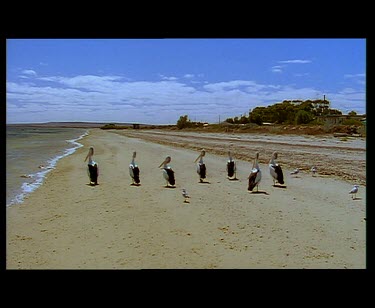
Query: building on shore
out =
(336, 119)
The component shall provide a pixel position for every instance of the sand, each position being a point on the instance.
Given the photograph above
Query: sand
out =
(313, 223)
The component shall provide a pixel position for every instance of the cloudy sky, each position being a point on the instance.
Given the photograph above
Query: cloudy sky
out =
(155, 81)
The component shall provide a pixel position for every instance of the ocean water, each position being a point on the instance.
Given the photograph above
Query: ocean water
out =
(33, 152)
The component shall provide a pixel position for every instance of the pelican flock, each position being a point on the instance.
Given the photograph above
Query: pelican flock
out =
(201, 167)
(168, 173)
(134, 171)
(255, 174)
(231, 167)
(275, 170)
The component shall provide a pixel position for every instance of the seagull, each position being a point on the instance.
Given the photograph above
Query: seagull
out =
(314, 170)
(295, 171)
(255, 174)
(168, 173)
(275, 170)
(201, 167)
(26, 176)
(185, 195)
(134, 171)
(231, 167)
(354, 191)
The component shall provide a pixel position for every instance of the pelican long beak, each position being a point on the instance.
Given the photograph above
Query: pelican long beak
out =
(163, 163)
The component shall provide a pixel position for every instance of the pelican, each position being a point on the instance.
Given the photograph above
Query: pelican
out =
(185, 195)
(134, 171)
(314, 170)
(354, 191)
(93, 171)
(295, 171)
(201, 167)
(275, 170)
(231, 167)
(168, 173)
(255, 174)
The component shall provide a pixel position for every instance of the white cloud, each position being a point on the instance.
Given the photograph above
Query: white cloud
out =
(224, 86)
(354, 75)
(348, 100)
(170, 78)
(295, 61)
(29, 72)
(358, 78)
(113, 98)
(188, 76)
(277, 69)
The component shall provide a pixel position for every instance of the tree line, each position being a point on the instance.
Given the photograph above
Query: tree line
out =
(294, 112)
(287, 112)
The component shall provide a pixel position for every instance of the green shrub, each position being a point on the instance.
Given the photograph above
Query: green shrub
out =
(303, 117)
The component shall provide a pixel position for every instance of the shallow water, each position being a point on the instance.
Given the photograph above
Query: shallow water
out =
(31, 153)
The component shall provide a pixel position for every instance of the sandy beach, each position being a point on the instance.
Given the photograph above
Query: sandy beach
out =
(313, 223)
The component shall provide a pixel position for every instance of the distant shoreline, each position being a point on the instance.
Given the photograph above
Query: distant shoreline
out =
(64, 124)
(278, 129)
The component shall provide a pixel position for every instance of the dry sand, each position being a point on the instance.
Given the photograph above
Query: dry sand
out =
(67, 224)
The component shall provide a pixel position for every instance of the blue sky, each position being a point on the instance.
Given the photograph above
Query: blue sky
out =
(155, 81)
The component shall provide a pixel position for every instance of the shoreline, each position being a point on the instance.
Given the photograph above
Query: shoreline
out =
(67, 224)
(38, 177)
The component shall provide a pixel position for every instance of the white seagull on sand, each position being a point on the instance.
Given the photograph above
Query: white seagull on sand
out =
(275, 170)
(255, 174)
(314, 170)
(295, 171)
(354, 191)
(185, 195)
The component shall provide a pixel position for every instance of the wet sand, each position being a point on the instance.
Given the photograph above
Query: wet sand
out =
(66, 224)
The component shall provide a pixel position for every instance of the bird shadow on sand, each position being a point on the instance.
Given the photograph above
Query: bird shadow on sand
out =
(357, 198)
(92, 185)
(169, 186)
(135, 184)
(204, 182)
(259, 192)
(235, 179)
(279, 186)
